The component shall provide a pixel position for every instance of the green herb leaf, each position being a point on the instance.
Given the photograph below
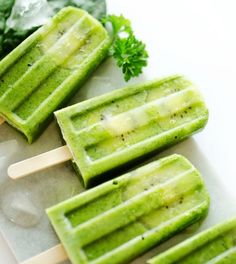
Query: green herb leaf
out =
(119, 24)
(5, 10)
(129, 52)
(130, 55)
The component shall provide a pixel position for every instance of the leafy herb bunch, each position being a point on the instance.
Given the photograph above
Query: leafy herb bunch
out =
(129, 52)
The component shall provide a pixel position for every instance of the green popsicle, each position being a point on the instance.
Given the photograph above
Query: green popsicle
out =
(216, 245)
(43, 72)
(108, 132)
(123, 218)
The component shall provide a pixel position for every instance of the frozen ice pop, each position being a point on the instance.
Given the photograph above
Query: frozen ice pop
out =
(123, 218)
(216, 245)
(106, 133)
(109, 131)
(43, 72)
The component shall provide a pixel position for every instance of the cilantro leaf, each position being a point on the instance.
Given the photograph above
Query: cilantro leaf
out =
(129, 52)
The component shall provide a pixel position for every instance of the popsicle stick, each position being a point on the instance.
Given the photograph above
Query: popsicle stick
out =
(2, 120)
(40, 162)
(54, 255)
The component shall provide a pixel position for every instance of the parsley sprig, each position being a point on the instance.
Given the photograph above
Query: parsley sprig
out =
(129, 52)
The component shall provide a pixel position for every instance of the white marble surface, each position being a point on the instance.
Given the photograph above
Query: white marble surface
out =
(196, 38)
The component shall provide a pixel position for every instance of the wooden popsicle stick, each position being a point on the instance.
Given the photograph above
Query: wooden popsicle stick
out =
(40, 162)
(53, 255)
(2, 120)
